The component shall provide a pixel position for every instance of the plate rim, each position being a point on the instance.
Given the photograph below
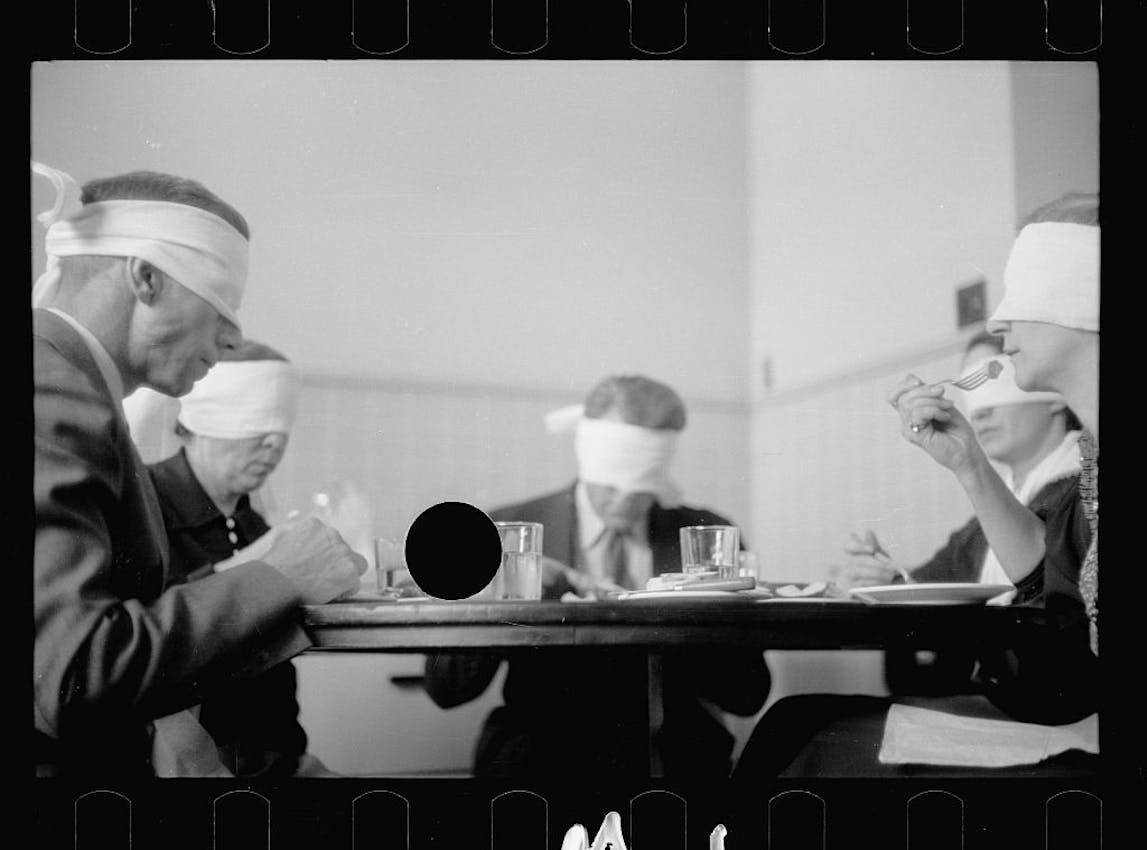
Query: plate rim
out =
(902, 592)
(935, 585)
(681, 594)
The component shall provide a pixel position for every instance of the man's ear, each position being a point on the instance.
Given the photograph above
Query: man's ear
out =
(145, 280)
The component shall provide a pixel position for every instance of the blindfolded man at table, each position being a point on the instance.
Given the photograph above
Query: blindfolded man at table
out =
(144, 277)
(617, 525)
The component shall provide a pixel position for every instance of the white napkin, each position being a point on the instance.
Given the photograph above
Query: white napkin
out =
(923, 736)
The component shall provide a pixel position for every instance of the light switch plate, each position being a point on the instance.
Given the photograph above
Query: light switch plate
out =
(971, 303)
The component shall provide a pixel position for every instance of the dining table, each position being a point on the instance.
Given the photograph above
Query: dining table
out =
(653, 626)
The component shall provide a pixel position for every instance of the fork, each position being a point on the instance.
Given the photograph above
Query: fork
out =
(874, 549)
(985, 373)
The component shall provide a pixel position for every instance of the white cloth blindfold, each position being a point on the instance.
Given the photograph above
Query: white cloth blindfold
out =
(242, 398)
(1052, 276)
(196, 248)
(1002, 390)
(616, 454)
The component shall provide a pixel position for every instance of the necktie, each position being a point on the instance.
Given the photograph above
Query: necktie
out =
(615, 560)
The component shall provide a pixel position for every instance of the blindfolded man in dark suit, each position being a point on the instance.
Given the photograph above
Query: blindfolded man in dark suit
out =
(617, 525)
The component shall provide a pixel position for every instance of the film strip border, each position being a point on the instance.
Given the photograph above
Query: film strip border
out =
(341, 814)
(960, 29)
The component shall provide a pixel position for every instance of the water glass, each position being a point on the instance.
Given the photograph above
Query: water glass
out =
(748, 565)
(520, 576)
(710, 549)
(389, 563)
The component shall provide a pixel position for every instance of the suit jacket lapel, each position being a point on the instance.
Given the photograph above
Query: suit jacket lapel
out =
(560, 539)
(663, 533)
(50, 326)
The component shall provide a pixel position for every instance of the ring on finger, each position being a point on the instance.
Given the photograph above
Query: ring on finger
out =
(917, 427)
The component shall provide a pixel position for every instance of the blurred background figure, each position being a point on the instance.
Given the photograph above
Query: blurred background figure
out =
(616, 526)
(230, 434)
(1032, 438)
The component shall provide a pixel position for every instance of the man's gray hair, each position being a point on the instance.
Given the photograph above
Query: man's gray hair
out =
(638, 400)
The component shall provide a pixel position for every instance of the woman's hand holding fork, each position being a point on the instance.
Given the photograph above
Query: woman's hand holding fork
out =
(933, 422)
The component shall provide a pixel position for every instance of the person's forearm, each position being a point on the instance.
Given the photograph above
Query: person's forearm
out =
(1014, 533)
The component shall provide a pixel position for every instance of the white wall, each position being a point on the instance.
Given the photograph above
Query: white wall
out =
(876, 188)
(1056, 128)
(519, 224)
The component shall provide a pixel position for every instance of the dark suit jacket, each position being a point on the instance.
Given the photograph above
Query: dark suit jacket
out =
(961, 559)
(583, 711)
(115, 646)
(256, 723)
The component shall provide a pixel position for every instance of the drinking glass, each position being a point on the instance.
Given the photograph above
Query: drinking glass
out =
(710, 549)
(520, 576)
(389, 564)
(748, 565)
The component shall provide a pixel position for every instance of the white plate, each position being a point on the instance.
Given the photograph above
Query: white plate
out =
(682, 595)
(925, 593)
(851, 600)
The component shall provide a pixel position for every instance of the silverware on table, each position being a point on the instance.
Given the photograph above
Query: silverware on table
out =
(871, 546)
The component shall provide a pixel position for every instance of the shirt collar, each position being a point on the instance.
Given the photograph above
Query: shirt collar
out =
(187, 501)
(103, 360)
(590, 527)
(1060, 462)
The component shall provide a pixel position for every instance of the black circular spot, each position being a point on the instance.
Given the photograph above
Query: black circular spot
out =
(453, 550)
